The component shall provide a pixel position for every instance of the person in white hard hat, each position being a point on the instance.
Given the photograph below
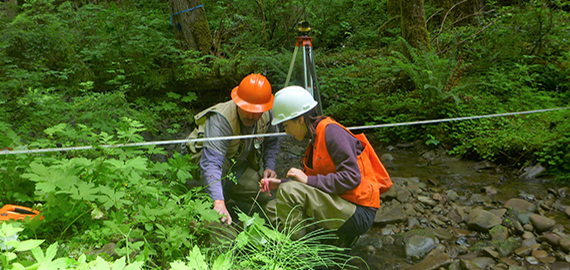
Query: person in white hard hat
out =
(341, 179)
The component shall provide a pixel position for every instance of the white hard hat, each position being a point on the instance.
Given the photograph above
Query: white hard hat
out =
(291, 102)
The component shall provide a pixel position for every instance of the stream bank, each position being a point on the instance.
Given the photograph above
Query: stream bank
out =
(448, 213)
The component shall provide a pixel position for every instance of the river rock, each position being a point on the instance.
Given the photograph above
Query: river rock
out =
(551, 238)
(427, 201)
(443, 234)
(452, 195)
(565, 243)
(532, 172)
(506, 247)
(542, 223)
(567, 210)
(499, 212)
(484, 262)
(523, 251)
(520, 204)
(469, 265)
(499, 233)
(386, 157)
(560, 266)
(539, 254)
(433, 262)
(457, 215)
(402, 195)
(418, 246)
(482, 220)
(390, 214)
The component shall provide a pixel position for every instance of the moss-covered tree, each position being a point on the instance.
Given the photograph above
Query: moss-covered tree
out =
(190, 25)
(414, 28)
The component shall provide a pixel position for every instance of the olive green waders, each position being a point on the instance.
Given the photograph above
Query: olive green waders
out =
(296, 202)
(244, 192)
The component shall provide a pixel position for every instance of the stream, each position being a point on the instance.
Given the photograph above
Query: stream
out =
(430, 187)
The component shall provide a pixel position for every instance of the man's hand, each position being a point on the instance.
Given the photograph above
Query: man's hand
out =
(220, 207)
(298, 175)
(269, 173)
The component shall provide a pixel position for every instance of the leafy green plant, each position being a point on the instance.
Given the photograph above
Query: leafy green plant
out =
(15, 255)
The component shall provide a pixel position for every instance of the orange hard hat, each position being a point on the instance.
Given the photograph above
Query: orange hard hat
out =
(253, 94)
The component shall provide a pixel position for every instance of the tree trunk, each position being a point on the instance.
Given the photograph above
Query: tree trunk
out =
(191, 26)
(11, 7)
(414, 28)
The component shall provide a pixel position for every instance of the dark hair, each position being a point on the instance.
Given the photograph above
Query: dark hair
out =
(311, 120)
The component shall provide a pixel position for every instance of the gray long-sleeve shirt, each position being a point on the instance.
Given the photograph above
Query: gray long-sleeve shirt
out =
(214, 152)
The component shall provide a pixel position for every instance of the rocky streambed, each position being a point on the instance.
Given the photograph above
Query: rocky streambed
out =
(446, 213)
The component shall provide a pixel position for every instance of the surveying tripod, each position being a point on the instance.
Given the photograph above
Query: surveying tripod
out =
(309, 73)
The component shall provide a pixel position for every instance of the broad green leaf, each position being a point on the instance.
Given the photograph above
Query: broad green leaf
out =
(134, 266)
(10, 256)
(29, 245)
(119, 264)
(138, 163)
(38, 254)
(51, 251)
(100, 264)
(17, 266)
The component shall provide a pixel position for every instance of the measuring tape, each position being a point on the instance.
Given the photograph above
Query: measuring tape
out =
(32, 151)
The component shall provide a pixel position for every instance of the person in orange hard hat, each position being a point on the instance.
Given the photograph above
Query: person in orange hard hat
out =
(248, 159)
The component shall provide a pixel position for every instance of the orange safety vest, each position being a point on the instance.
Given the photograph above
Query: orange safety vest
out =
(374, 177)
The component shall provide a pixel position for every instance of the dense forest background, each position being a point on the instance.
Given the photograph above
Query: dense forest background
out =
(98, 72)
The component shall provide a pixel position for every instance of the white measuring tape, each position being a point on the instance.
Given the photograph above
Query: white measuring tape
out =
(7, 152)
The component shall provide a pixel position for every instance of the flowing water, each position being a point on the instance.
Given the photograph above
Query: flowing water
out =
(440, 173)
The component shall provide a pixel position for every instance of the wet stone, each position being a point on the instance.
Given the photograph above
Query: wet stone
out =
(528, 227)
(499, 212)
(523, 251)
(418, 246)
(499, 233)
(520, 204)
(390, 214)
(443, 234)
(565, 243)
(560, 266)
(484, 262)
(433, 262)
(527, 235)
(548, 260)
(539, 254)
(427, 201)
(551, 238)
(542, 223)
(491, 252)
(452, 195)
(482, 220)
(529, 242)
(531, 260)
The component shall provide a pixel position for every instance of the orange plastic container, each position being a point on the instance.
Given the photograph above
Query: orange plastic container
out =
(16, 212)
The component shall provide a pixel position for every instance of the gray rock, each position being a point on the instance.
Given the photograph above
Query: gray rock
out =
(532, 172)
(560, 266)
(484, 262)
(457, 215)
(469, 265)
(433, 262)
(565, 244)
(542, 223)
(499, 233)
(390, 214)
(482, 220)
(520, 204)
(386, 157)
(418, 246)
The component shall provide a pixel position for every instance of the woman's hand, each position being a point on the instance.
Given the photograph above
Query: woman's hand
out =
(298, 175)
(269, 173)
(267, 184)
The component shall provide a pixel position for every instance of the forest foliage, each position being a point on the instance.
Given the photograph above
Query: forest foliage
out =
(105, 72)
